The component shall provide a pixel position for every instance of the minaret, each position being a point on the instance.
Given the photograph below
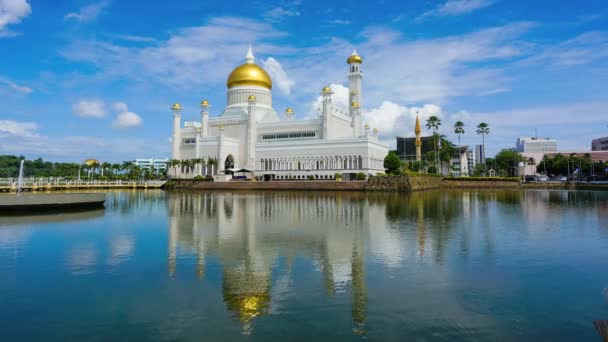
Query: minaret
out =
(354, 78)
(176, 138)
(355, 119)
(289, 114)
(205, 118)
(326, 93)
(418, 142)
(251, 133)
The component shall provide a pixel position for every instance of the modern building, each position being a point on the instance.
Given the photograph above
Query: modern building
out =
(406, 147)
(152, 164)
(249, 136)
(460, 163)
(535, 144)
(471, 160)
(600, 144)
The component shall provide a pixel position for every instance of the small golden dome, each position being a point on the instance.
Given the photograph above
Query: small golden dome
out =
(375, 130)
(354, 58)
(204, 103)
(289, 110)
(249, 74)
(326, 90)
(176, 106)
(251, 98)
(355, 104)
(221, 127)
(366, 126)
(90, 162)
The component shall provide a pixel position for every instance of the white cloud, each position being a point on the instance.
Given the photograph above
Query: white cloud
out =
(15, 86)
(12, 12)
(278, 75)
(90, 108)
(89, 12)
(286, 10)
(125, 119)
(582, 49)
(456, 7)
(16, 129)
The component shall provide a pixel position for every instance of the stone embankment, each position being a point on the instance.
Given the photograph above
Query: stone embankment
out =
(403, 183)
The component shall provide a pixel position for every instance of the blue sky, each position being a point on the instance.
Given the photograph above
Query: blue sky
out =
(82, 79)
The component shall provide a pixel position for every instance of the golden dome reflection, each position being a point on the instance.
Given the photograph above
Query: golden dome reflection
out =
(249, 74)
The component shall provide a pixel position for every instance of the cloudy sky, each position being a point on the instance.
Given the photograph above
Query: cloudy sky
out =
(82, 78)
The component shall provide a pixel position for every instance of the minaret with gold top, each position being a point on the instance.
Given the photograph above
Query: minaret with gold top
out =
(418, 142)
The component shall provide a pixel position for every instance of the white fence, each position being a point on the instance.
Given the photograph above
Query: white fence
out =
(57, 182)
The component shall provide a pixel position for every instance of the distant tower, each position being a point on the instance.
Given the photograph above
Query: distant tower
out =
(418, 142)
(354, 78)
(289, 114)
(176, 138)
(205, 118)
(326, 94)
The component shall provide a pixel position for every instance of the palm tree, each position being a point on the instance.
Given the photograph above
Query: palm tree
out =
(105, 166)
(172, 164)
(459, 129)
(196, 162)
(530, 162)
(127, 166)
(483, 129)
(433, 123)
(94, 167)
(212, 162)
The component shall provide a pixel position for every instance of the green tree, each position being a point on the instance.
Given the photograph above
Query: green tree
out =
(433, 123)
(392, 163)
(483, 129)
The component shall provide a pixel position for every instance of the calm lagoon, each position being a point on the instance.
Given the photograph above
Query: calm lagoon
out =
(436, 265)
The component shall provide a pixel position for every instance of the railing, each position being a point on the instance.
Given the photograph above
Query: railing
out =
(30, 182)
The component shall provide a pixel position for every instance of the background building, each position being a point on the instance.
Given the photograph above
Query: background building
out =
(535, 144)
(152, 164)
(460, 162)
(406, 147)
(480, 154)
(600, 144)
(471, 160)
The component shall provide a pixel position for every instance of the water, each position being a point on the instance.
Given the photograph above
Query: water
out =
(442, 265)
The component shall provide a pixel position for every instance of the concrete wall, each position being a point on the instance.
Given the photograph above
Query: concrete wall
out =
(307, 185)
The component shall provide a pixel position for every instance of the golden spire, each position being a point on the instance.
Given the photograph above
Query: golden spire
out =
(355, 104)
(204, 103)
(417, 130)
(326, 90)
(251, 98)
(176, 106)
(354, 58)
(289, 110)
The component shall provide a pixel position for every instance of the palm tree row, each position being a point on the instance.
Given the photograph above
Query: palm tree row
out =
(433, 123)
(194, 167)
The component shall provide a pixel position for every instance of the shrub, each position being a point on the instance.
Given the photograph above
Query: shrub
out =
(392, 163)
(361, 176)
(311, 177)
(484, 179)
(432, 169)
(199, 177)
(338, 176)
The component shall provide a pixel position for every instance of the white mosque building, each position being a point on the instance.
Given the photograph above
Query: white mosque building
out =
(249, 136)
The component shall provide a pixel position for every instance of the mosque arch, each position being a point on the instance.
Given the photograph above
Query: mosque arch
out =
(229, 162)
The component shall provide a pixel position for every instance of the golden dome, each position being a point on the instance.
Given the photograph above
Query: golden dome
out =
(176, 106)
(204, 103)
(375, 130)
(251, 98)
(355, 104)
(354, 58)
(90, 162)
(249, 74)
(366, 126)
(289, 110)
(326, 90)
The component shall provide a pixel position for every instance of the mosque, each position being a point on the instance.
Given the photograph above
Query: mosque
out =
(250, 137)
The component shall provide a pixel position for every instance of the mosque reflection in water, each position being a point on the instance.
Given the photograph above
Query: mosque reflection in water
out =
(250, 233)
